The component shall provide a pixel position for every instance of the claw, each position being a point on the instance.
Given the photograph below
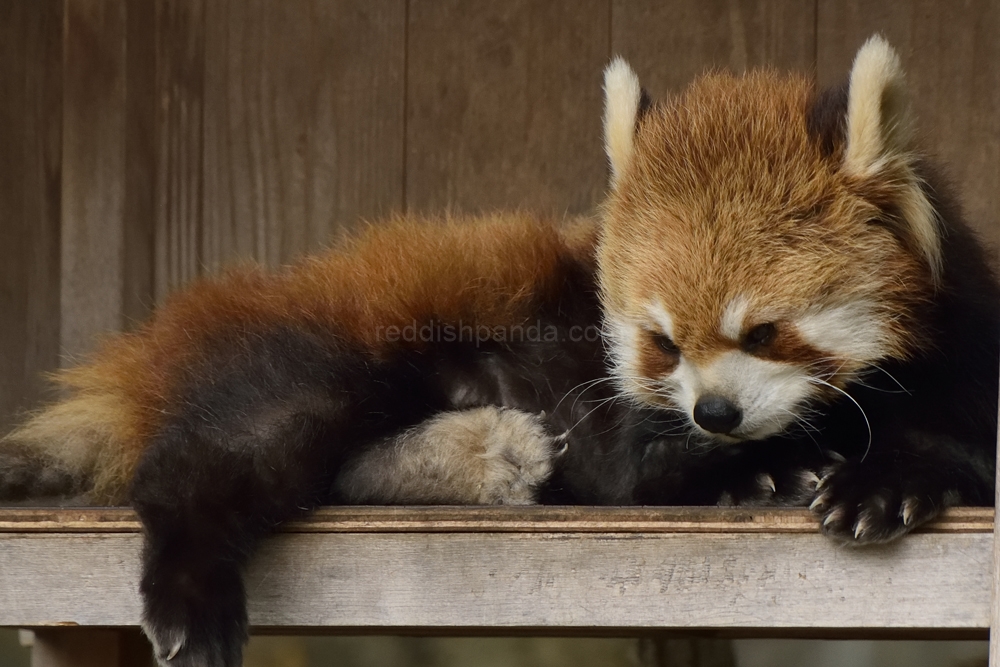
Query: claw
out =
(907, 510)
(809, 478)
(766, 482)
(174, 651)
(822, 482)
(833, 516)
(862, 525)
(836, 456)
(818, 502)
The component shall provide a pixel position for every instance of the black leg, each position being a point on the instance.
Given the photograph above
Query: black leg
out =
(205, 502)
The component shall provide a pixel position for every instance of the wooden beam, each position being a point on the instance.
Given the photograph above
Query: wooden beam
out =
(517, 569)
(493, 519)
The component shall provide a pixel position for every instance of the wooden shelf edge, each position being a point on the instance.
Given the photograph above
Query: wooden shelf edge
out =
(532, 519)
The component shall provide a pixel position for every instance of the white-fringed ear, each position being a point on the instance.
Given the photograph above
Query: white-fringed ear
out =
(622, 96)
(878, 114)
(879, 141)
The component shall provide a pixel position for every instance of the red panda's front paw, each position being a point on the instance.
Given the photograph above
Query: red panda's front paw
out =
(857, 505)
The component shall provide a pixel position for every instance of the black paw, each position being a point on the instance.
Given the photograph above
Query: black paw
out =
(774, 482)
(194, 621)
(862, 502)
(787, 488)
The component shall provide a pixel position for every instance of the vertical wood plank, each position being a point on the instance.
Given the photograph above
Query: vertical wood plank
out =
(30, 143)
(93, 173)
(180, 74)
(950, 52)
(504, 104)
(107, 170)
(139, 196)
(303, 123)
(669, 44)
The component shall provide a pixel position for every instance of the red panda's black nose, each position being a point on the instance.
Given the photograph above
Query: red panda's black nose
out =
(716, 415)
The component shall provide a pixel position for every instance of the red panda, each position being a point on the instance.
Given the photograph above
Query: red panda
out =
(780, 267)
(789, 312)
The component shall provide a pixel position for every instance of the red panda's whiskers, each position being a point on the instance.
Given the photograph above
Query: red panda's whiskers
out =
(876, 367)
(602, 403)
(852, 399)
(584, 388)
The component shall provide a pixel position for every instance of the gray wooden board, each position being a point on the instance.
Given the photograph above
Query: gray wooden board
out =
(31, 66)
(503, 105)
(93, 169)
(303, 126)
(533, 580)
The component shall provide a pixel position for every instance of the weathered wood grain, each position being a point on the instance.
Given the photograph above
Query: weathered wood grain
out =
(465, 581)
(496, 519)
(669, 43)
(179, 84)
(30, 143)
(139, 179)
(950, 52)
(504, 104)
(303, 123)
(93, 173)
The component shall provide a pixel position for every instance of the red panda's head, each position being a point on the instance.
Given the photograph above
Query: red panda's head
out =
(762, 245)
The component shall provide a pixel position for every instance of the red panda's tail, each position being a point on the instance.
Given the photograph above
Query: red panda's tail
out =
(71, 448)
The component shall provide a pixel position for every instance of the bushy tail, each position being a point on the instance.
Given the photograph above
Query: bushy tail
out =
(71, 448)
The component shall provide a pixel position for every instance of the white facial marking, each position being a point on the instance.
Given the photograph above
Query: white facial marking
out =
(623, 344)
(731, 322)
(850, 331)
(769, 393)
(662, 318)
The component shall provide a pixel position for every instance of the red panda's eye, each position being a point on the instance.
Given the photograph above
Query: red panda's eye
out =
(666, 343)
(760, 336)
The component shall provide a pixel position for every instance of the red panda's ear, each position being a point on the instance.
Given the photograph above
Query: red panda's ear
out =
(879, 142)
(622, 100)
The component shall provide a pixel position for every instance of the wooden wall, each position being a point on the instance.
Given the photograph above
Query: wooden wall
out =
(147, 141)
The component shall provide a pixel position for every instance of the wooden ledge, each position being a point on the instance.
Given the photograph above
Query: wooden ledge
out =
(552, 570)
(533, 519)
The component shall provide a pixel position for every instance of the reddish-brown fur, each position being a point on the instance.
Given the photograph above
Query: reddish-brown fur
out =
(488, 272)
(729, 194)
